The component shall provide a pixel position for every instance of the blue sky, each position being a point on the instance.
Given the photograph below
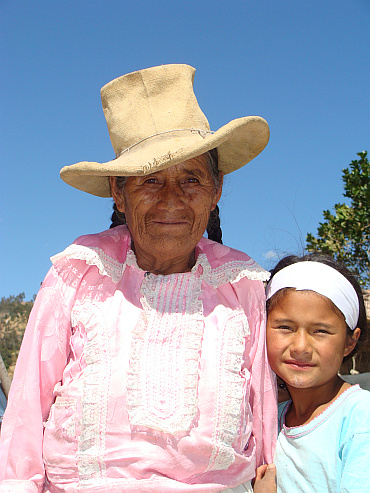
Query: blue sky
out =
(304, 66)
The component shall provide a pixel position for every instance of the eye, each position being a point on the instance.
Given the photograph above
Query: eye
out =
(322, 331)
(285, 328)
(150, 180)
(191, 179)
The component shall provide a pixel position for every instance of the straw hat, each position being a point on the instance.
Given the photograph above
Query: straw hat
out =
(154, 121)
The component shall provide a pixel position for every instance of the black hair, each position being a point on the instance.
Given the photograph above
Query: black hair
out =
(342, 269)
(118, 218)
(214, 231)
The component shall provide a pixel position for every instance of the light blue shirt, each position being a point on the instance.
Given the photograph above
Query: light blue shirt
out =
(331, 453)
(2, 404)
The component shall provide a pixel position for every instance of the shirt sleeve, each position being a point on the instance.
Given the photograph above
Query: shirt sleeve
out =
(41, 361)
(355, 464)
(263, 397)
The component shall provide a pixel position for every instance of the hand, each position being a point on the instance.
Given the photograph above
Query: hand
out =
(265, 481)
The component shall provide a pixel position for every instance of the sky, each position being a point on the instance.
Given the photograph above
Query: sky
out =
(303, 66)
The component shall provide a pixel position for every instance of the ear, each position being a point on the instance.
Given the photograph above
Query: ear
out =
(218, 193)
(116, 194)
(352, 341)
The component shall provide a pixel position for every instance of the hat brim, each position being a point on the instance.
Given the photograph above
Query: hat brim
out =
(237, 142)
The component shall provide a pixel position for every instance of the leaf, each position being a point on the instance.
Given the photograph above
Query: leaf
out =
(346, 234)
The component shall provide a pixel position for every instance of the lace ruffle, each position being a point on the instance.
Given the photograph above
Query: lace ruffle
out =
(230, 392)
(107, 265)
(232, 272)
(162, 388)
(91, 449)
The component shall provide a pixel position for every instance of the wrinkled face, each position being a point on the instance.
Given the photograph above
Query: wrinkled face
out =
(167, 212)
(307, 339)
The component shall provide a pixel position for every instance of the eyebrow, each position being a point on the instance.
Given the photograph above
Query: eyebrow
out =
(196, 171)
(282, 320)
(322, 324)
(288, 320)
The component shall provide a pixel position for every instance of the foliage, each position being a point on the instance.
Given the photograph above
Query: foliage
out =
(14, 313)
(346, 234)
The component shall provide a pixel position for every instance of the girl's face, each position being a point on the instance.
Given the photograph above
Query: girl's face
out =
(307, 339)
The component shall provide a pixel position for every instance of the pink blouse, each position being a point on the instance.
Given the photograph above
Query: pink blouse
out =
(133, 382)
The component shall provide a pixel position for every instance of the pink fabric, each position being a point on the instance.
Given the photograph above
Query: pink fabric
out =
(133, 382)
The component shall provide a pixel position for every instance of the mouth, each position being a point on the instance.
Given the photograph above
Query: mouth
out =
(170, 223)
(299, 365)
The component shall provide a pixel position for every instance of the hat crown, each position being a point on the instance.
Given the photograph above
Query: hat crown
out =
(154, 121)
(151, 101)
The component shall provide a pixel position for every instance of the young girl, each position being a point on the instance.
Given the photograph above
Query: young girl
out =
(316, 317)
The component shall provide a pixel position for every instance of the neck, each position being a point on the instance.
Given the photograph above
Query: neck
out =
(310, 402)
(164, 266)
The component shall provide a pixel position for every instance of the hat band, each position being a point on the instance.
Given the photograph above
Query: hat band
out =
(324, 280)
(202, 133)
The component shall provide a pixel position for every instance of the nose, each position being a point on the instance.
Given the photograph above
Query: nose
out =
(300, 345)
(171, 197)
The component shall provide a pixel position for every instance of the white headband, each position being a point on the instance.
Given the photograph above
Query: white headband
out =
(322, 279)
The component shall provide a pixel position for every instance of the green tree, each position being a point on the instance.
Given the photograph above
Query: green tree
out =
(346, 234)
(14, 313)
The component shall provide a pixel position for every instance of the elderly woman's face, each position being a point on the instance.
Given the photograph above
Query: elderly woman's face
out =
(167, 213)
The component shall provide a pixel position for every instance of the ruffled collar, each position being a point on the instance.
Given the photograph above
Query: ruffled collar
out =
(110, 251)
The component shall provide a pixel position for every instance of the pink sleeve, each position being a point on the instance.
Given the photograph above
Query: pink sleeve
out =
(42, 359)
(263, 397)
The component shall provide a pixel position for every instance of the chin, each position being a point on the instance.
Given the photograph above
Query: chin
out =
(174, 242)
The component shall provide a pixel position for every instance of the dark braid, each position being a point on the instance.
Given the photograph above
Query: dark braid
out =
(214, 231)
(117, 218)
(213, 227)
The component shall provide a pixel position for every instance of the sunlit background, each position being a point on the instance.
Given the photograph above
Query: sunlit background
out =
(304, 66)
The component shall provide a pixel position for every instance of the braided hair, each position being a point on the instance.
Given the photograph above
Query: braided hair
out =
(118, 218)
(214, 231)
(213, 227)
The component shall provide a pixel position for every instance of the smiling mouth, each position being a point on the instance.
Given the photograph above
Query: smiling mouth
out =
(170, 223)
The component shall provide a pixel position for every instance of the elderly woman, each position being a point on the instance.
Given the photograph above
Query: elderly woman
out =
(143, 366)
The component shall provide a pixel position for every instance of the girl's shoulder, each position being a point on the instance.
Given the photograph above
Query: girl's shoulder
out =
(353, 439)
(351, 409)
(356, 400)
(354, 412)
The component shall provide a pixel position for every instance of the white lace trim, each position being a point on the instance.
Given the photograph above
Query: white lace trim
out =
(91, 443)
(107, 265)
(229, 400)
(169, 332)
(131, 259)
(231, 271)
(166, 342)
